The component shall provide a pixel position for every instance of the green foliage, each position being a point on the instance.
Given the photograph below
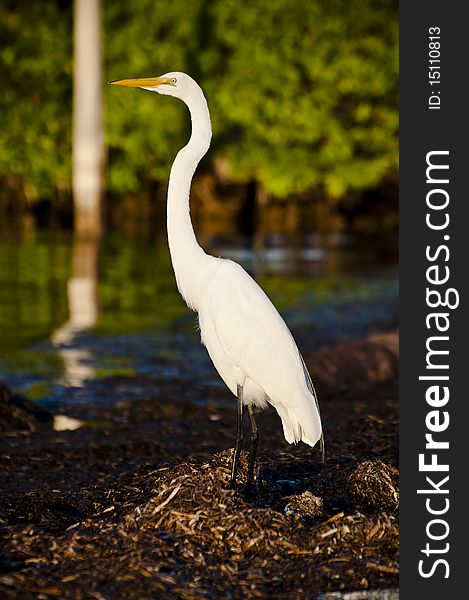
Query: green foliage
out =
(303, 95)
(307, 89)
(36, 97)
(145, 38)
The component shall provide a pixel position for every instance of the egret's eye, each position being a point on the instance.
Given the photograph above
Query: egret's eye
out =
(173, 81)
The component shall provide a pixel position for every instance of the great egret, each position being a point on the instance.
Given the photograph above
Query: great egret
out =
(246, 338)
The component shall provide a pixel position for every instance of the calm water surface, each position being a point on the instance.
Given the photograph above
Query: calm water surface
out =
(74, 314)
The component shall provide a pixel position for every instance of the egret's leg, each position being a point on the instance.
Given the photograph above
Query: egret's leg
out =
(239, 438)
(253, 449)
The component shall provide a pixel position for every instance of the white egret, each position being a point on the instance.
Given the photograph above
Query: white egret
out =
(246, 338)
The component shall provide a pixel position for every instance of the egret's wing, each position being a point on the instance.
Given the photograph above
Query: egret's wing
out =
(311, 388)
(249, 342)
(254, 335)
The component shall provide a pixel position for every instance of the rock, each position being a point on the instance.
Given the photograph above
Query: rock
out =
(373, 485)
(19, 413)
(362, 595)
(305, 505)
(355, 365)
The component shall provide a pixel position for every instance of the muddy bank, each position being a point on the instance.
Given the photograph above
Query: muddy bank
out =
(136, 502)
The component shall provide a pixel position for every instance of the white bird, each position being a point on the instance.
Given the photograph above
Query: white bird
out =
(246, 338)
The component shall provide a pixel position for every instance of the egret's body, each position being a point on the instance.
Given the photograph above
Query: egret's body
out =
(251, 346)
(246, 338)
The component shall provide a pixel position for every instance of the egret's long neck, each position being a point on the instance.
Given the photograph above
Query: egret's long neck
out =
(190, 263)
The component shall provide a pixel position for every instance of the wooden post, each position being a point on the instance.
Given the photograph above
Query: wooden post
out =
(88, 144)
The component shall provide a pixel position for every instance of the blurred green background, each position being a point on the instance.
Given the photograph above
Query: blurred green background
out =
(303, 97)
(300, 184)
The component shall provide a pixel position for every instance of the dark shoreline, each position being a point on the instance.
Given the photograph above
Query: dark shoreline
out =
(135, 504)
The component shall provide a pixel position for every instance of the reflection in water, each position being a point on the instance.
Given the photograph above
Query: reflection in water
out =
(82, 297)
(265, 261)
(142, 332)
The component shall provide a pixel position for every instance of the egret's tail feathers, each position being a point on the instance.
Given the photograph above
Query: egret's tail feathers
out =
(307, 428)
(289, 433)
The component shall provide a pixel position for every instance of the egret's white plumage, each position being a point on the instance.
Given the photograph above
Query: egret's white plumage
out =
(246, 338)
(251, 346)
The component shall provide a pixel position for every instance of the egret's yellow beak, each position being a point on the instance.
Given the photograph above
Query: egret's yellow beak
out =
(145, 82)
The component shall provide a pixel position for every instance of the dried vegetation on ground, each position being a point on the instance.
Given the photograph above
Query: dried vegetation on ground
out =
(139, 507)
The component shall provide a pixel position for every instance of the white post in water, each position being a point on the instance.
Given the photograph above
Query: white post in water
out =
(88, 144)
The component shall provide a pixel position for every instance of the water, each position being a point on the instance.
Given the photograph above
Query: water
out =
(81, 323)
